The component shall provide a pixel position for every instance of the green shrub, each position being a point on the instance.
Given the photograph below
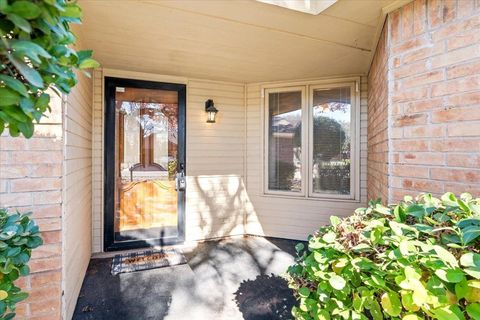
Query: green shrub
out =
(18, 236)
(36, 54)
(416, 260)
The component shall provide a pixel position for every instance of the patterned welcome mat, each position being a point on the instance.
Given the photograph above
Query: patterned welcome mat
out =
(144, 260)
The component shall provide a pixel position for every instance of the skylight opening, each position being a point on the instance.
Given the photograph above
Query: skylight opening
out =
(314, 7)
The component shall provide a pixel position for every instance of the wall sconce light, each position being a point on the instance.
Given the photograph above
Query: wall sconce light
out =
(210, 110)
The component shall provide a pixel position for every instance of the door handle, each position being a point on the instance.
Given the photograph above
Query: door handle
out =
(180, 181)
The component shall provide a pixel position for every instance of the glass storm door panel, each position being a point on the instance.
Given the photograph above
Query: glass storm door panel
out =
(145, 207)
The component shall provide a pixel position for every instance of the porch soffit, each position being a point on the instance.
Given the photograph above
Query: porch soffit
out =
(241, 41)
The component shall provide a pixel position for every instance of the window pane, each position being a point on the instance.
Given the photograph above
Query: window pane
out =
(285, 141)
(331, 140)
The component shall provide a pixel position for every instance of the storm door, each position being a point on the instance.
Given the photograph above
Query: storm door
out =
(144, 163)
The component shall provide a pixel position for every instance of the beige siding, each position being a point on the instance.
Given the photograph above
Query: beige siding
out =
(290, 217)
(77, 226)
(215, 161)
(97, 162)
(215, 158)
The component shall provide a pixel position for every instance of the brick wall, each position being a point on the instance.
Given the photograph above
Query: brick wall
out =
(434, 70)
(377, 179)
(31, 180)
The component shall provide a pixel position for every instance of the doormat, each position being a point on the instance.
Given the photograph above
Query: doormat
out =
(148, 259)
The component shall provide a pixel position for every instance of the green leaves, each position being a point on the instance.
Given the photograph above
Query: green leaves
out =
(37, 51)
(391, 304)
(17, 231)
(409, 261)
(9, 97)
(337, 282)
(25, 9)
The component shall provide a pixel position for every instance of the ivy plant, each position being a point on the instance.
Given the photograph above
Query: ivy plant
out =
(418, 259)
(36, 54)
(18, 236)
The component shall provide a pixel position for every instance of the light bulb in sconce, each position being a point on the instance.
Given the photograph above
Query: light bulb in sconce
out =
(211, 111)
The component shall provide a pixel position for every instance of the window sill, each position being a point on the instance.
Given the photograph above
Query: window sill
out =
(303, 197)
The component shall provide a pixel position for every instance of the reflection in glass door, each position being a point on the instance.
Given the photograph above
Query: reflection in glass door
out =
(144, 158)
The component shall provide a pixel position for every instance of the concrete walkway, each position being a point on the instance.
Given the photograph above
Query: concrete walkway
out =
(235, 278)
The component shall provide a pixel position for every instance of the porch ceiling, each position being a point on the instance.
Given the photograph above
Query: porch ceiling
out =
(241, 41)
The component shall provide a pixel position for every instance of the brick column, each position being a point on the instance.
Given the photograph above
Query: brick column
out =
(31, 180)
(433, 97)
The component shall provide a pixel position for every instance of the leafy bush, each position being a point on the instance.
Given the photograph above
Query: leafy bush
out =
(18, 236)
(35, 55)
(419, 259)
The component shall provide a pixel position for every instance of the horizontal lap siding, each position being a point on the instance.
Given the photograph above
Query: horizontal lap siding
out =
(290, 217)
(77, 189)
(215, 161)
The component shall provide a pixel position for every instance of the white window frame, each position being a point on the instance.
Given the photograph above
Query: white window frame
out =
(307, 88)
(303, 90)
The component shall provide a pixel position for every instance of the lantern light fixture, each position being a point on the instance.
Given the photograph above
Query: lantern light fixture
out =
(210, 110)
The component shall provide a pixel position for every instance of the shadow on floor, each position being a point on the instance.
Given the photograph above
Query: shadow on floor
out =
(237, 278)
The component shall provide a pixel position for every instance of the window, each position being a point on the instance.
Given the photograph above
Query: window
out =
(311, 140)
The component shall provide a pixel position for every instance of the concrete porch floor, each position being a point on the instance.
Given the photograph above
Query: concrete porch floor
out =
(235, 278)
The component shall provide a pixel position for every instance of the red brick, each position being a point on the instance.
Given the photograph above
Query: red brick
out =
(409, 145)
(456, 114)
(423, 53)
(47, 197)
(48, 250)
(455, 56)
(406, 70)
(467, 129)
(467, 69)
(44, 292)
(46, 278)
(425, 158)
(419, 185)
(40, 184)
(410, 171)
(465, 7)
(464, 99)
(409, 120)
(419, 16)
(457, 175)
(45, 306)
(35, 157)
(424, 79)
(395, 26)
(463, 40)
(46, 170)
(49, 224)
(407, 21)
(409, 95)
(48, 211)
(452, 29)
(45, 144)
(456, 86)
(435, 14)
(456, 144)
(15, 199)
(466, 160)
(14, 171)
(449, 10)
(12, 144)
(459, 188)
(48, 264)
(430, 131)
(52, 237)
(424, 105)
(411, 44)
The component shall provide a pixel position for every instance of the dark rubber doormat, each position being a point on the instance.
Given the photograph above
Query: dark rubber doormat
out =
(148, 259)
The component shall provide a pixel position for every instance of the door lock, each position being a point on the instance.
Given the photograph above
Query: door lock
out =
(180, 181)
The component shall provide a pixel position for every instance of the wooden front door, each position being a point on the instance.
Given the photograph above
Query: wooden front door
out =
(144, 161)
